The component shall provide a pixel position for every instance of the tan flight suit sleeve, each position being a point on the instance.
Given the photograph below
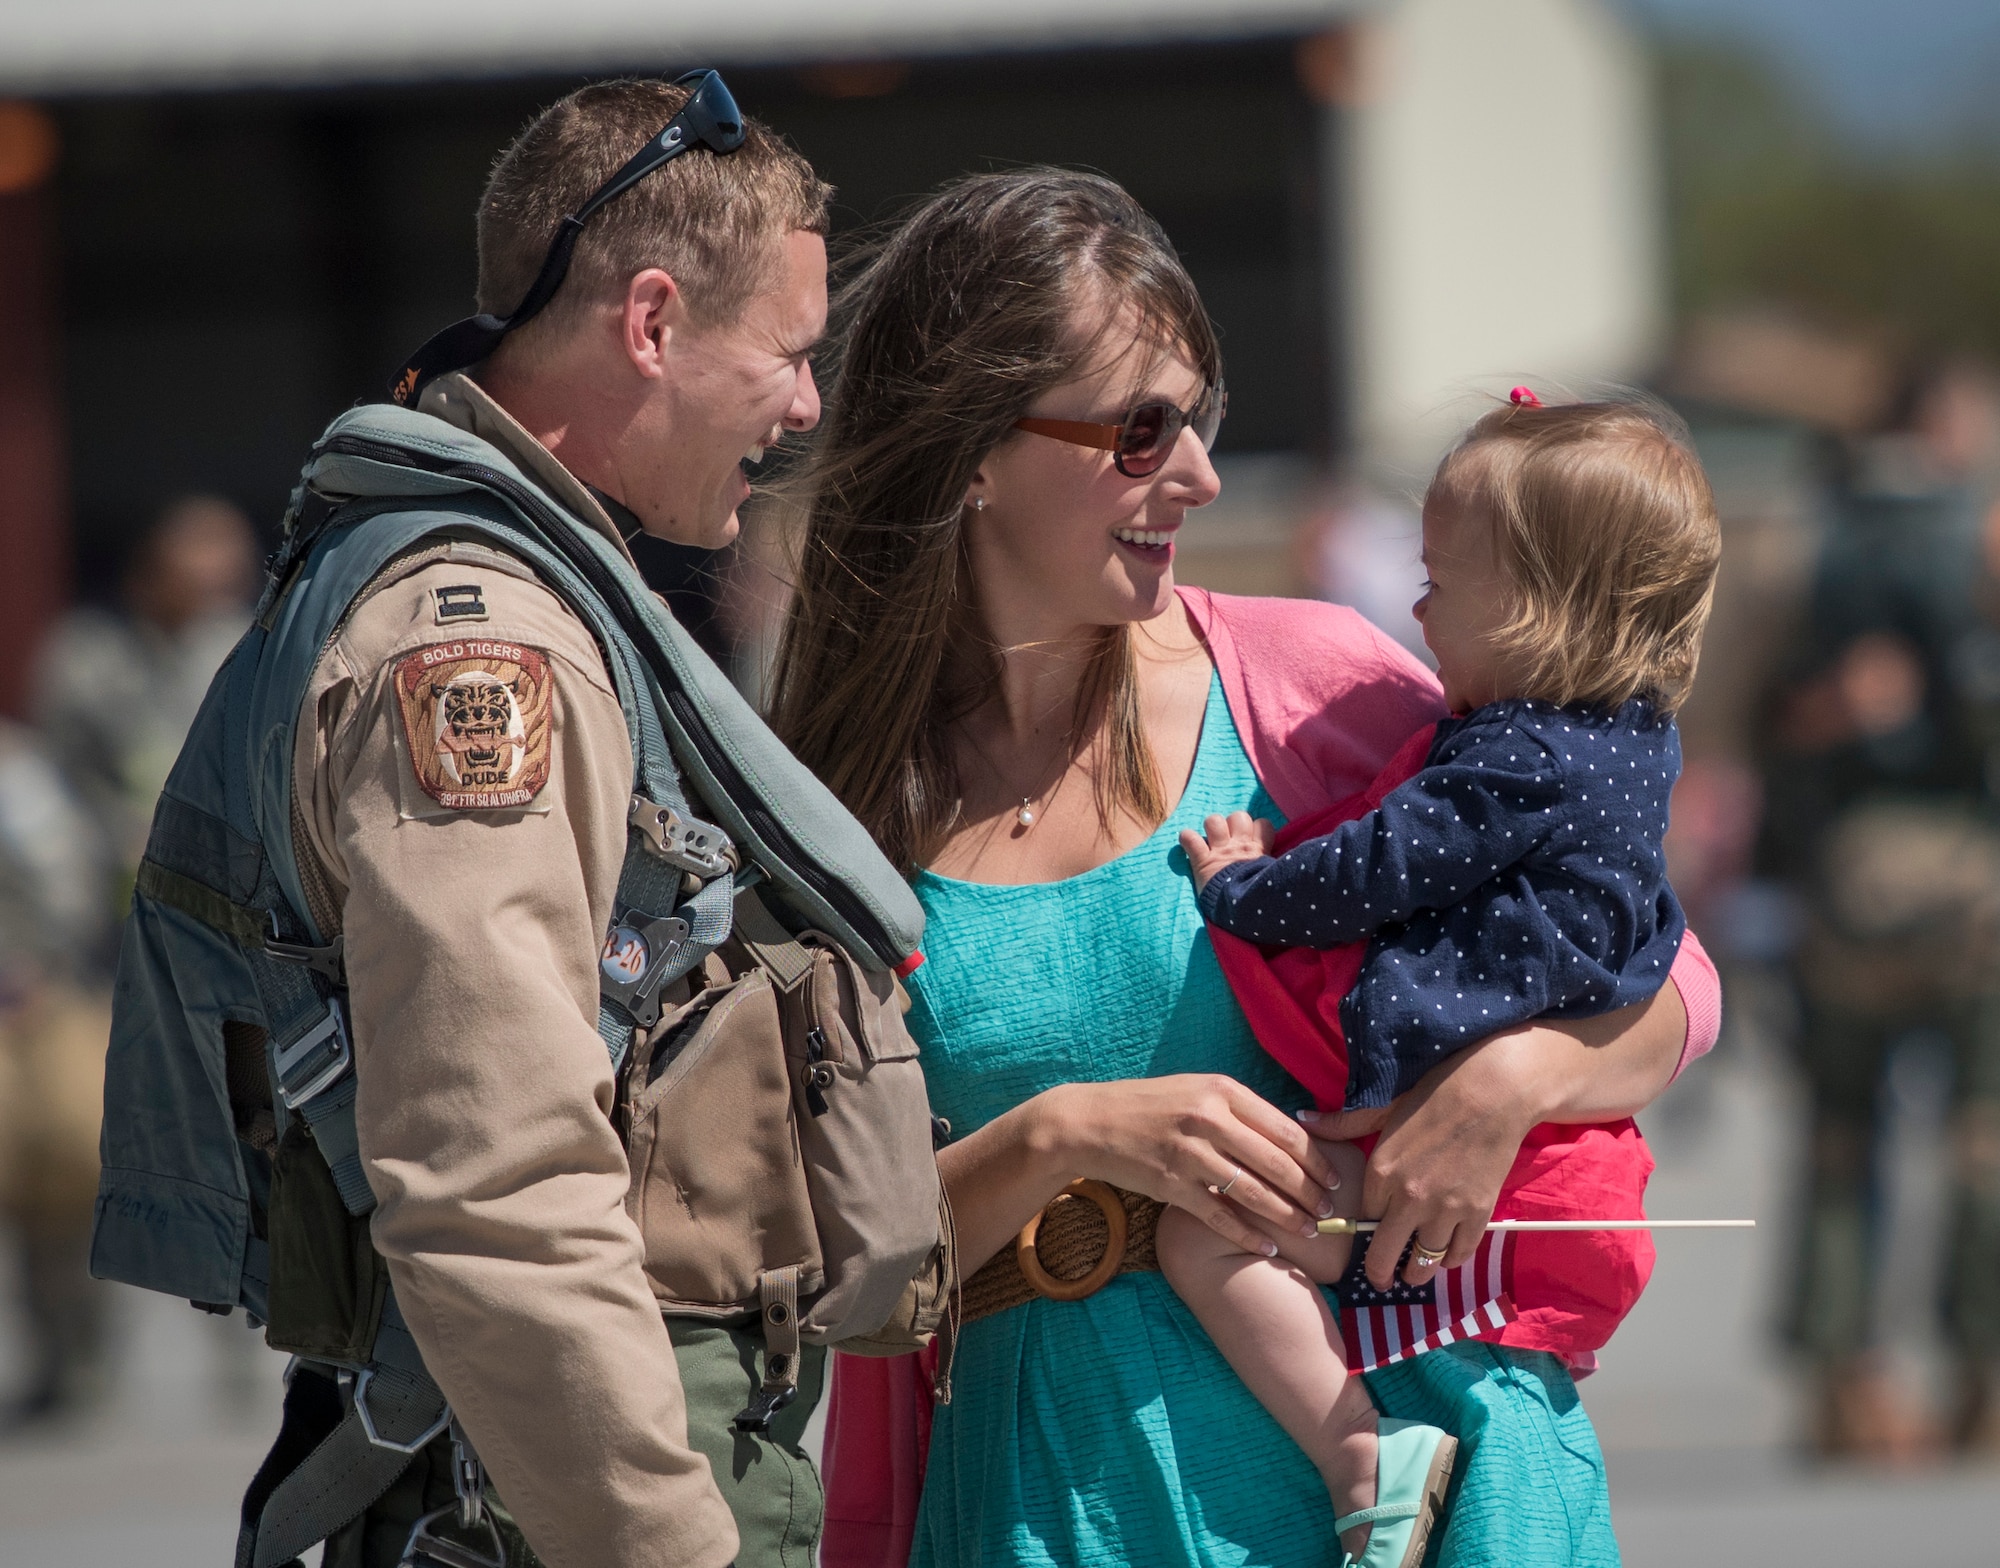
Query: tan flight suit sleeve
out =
(485, 1092)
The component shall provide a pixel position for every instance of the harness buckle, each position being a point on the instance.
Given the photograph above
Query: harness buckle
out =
(680, 841)
(368, 1429)
(323, 1051)
(778, 1295)
(329, 961)
(763, 1407)
(633, 966)
(426, 1549)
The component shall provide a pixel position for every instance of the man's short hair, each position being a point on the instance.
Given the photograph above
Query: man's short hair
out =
(711, 221)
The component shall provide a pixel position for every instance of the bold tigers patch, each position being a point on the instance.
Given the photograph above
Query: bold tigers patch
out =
(477, 716)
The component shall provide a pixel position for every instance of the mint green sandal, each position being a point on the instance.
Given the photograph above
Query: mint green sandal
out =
(1410, 1477)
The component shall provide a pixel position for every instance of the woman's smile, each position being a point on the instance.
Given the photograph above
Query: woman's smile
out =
(1155, 546)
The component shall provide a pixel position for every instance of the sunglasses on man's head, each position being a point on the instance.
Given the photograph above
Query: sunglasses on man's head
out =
(1145, 438)
(709, 118)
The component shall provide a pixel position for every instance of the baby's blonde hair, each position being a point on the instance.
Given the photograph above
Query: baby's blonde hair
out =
(1604, 523)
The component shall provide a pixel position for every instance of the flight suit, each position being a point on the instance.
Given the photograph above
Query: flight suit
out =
(462, 776)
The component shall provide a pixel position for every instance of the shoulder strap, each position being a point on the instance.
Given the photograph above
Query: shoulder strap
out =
(821, 861)
(349, 1433)
(332, 553)
(316, 580)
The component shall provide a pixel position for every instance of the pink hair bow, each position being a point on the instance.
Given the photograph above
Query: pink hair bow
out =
(1523, 397)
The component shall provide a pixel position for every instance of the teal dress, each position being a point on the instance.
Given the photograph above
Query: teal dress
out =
(1110, 1431)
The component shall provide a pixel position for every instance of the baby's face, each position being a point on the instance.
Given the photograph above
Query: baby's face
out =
(1465, 602)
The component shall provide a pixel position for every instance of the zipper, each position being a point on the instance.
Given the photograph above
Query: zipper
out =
(768, 829)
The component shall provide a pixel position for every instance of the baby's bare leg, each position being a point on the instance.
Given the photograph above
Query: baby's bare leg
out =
(1273, 1326)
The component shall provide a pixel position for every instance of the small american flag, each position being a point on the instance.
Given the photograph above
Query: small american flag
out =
(1382, 1327)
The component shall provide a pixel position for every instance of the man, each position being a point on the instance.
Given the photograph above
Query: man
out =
(466, 829)
(673, 356)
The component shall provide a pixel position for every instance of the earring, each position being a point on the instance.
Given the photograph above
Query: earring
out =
(979, 503)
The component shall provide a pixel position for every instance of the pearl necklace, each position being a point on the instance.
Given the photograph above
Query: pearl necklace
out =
(1025, 814)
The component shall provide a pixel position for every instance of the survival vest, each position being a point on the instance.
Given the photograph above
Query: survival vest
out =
(231, 1173)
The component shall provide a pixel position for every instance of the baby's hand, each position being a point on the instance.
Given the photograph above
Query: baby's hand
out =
(1235, 837)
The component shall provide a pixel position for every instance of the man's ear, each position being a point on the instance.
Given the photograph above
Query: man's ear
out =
(654, 310)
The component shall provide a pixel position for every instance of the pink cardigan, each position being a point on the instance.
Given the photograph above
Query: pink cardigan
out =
(1322, 702)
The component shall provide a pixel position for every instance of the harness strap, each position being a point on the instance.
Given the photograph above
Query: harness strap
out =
(346, 1440)
(395, 1346)
(312, 1061)
(783, 956)
(325, 1469)
(426, 1548)
(331, 1117)
(666, 840)
(312, 1413)
(199, 901)
(778, 1298)
(311, 1052)
(641, 953)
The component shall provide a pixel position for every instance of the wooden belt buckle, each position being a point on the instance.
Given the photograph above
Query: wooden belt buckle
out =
(1030, 1261)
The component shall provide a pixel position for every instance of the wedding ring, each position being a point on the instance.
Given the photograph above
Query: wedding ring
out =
(1423, 1257)
(1236, 1175)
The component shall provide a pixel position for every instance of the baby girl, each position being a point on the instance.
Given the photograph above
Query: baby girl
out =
(1571, 555)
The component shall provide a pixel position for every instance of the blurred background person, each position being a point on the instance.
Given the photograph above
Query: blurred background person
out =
(1360, 547)
(1882, 792)
(1961, 421)
(54, 1020)
(117, 689)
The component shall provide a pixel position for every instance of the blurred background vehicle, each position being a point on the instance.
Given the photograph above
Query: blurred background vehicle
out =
(221, 222)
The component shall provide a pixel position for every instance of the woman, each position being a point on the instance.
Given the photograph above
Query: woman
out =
(988, 661)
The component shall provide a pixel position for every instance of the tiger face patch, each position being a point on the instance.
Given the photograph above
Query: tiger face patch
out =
(476, 714)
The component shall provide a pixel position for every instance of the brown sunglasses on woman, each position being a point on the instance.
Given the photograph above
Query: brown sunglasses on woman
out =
(1144, 439)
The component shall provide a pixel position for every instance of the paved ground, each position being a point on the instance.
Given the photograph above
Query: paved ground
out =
(153, 1478)
(1693, 1406)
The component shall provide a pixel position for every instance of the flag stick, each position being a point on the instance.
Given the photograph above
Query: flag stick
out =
(1350, 1227)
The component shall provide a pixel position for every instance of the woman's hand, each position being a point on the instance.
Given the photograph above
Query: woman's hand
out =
(1174, 1139)
(1448, 1144)
(1184, 1140)
(1446, 1147)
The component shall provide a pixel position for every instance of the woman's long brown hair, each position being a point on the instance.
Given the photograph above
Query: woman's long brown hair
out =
(997, 289)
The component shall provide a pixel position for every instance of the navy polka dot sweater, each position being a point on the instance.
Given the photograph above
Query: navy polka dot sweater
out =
(1518, 874)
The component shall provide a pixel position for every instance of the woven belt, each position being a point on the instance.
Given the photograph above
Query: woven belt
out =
(1089, 1233)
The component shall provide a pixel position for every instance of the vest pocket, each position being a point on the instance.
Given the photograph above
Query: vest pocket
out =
(327, 1281)
(865, 1129)
(718, 1190)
